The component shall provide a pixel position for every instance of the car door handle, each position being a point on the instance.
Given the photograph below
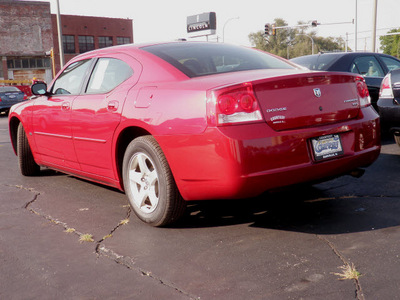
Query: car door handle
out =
(65, 106)
(112, 105)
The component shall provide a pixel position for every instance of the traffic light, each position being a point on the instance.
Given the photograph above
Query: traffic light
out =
(267, 28)
(314, 23)
(273, 30)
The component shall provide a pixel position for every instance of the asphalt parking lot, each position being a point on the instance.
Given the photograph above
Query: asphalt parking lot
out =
(63, 237)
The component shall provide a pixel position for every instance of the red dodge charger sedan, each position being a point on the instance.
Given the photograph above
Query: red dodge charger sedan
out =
(172, 122)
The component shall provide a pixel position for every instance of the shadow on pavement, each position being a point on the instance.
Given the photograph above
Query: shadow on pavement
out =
(343, 205)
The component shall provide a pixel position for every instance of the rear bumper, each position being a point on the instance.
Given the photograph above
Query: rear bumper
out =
(247, 160)
(7, 105)
(389, 113)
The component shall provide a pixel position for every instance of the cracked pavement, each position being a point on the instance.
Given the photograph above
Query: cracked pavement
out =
(289, 244)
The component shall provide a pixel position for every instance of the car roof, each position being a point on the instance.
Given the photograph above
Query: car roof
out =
(333, 61)
(341, 54)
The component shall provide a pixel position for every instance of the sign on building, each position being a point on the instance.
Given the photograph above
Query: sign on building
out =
(202, 24)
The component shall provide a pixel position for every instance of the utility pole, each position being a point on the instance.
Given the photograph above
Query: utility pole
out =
(355, 30)
(373, 47)
(59, 32)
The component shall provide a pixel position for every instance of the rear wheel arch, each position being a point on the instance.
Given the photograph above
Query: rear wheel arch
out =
(149, 183)
(125, 137)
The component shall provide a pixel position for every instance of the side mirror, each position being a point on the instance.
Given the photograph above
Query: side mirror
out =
(39, 89)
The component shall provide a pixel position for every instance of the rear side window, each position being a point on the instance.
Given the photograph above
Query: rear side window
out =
(200, 59)
(107, 75)
(367, 66)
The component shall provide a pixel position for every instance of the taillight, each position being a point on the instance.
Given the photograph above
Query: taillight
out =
(233, 105)
(25, 97)
(386, 87)
(363, 93)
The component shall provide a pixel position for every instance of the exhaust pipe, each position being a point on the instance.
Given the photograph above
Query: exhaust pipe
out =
(357, 173)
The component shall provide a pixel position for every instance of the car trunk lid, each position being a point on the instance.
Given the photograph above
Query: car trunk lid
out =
(306, 100)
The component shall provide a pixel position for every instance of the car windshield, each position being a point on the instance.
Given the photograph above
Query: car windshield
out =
(315, 62)
(200, 59)
(4, 89)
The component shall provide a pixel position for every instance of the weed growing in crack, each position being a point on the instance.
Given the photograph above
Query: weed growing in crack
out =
(70, 230)
(349, 272)
(124, 222)
(86, 238)
(106, 237)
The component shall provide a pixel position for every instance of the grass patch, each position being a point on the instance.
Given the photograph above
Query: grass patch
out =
(86, 238)
(124, 222)
(348, 272)
(107, 236)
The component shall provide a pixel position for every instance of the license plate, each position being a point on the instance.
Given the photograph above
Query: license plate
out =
(327, 146)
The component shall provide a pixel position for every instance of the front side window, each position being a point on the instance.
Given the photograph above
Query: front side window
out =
(391, 63)
(70, 80)
(68, 43)
(108, 74)
(367, 66)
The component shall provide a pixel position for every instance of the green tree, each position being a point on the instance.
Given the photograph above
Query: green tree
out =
(274, 44)
(390, 44)
(293, 42)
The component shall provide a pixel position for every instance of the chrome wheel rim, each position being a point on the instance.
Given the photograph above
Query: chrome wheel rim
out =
(143, 183)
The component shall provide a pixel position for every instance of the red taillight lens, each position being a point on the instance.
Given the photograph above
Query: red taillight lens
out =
(386, 87)
(362, 89)
(25, 97)
(233, 105)
(247, 102)
(227, 104)
(363, 93)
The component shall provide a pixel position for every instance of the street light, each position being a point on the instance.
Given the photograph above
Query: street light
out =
(223, 29)
(312, 41)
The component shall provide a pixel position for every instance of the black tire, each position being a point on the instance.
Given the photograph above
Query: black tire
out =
(27, 164)
(397, 139)
(149, 184)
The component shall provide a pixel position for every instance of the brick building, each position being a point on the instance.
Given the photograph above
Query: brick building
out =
(25, 36)
(28, 30)
(81, 34)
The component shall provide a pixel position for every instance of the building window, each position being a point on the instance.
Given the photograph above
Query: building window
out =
(28, 63)
(105, 41)
(69, 43)
(86, 43)
(123, 40)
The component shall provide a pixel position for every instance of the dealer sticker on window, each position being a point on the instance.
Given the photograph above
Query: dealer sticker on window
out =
(327, 146)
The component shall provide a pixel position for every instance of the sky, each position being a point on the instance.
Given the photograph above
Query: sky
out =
(165, 20)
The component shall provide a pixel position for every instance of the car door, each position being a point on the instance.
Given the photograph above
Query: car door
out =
(51, 117)
(370, 68)
(97, 112)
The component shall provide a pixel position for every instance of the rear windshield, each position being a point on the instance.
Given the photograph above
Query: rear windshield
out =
(315, 62)
(4, 89)
(200, 59)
